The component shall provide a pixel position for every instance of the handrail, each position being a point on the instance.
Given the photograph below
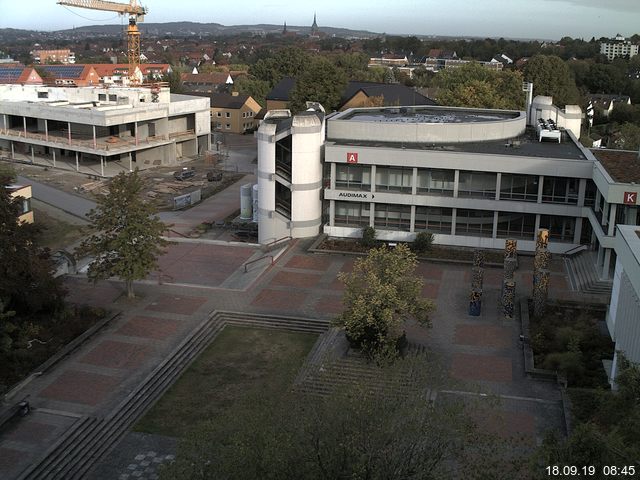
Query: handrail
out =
(573, 250)
(288, 237)
(257, 259)
(178, 233)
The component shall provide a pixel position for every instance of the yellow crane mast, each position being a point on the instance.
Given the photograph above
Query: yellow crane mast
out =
(136, 13)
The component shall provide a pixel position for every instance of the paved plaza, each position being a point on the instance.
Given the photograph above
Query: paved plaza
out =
(482, 355)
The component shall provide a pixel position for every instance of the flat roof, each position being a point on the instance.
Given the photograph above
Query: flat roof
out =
(427, 114)
(526, 145)
(622, 165)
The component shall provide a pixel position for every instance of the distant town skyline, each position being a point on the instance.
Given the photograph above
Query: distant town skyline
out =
(544, 19)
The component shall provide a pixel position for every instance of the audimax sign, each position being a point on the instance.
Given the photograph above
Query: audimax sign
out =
(354, 195)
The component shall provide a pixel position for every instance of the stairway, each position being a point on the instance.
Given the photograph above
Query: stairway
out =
(583, 275)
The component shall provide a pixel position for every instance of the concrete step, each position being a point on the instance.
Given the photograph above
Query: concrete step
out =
(581, 270)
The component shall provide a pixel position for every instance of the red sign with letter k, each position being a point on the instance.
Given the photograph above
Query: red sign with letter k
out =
(630, 198)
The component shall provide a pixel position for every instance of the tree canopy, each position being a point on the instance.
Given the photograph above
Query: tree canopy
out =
(381, 293)
(475, 86)
(126, 236)
(552, 77)
(320, 81)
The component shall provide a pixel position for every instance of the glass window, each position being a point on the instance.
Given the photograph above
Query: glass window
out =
(227, 114)
(228, 126)
(519, 187)
(394, 179)
(433, 219)
(475, 223)
(560, 190)
(477, 184)
(392, 217)
(351, 214)
(353, 177)
(516, 225)
(560, 228)
(590, 194)
(435, 181)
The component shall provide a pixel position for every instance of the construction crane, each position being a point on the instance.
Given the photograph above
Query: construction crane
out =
(136, 13)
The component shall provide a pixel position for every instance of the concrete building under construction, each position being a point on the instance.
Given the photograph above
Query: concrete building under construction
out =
(101, 130)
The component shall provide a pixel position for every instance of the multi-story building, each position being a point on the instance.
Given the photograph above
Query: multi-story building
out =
(618, 47)
(472, 177)
(64, 56)
(101, 130)
(22, 192)
(233, 113)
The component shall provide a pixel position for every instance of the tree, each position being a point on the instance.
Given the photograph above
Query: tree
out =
(288, 62)
(27, 284)
(359, 432)
(249, 85)
(321, 81)
(552, 77)
(475, 86)
(126, 236)
(382, 293)
(174, 80)
(7, 327)
(628, 137)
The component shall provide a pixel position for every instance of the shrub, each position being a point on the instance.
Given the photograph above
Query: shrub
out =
(368, 237)
(423, 242)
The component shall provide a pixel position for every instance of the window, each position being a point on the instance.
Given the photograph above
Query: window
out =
(43, 94)
(102, 97)
(113, 98)
(433, 219)
(351, 214)
(227, 114)
(251, 114)
(590, 194)
(228, 126)
(475, 223)
(560, 190)
(218, 114)
(516, 225)
(392, 217)
(434, 181)
(477, 184)
(26, 206)
(394, 179)
(244, 114)
(560, 228)
(353, 177)
(519, 187)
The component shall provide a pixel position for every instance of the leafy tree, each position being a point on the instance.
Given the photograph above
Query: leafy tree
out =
(628, 137)
(250, 85)
(7, 327)
(354, 65)
(27, 284)
(623, 113)
(288, 62)
(423, 242)
(552, 77)
(368, 239)
(126, 236)
(382, 293)
(475, 86)
(359, 432)
(320, 81)
(174, 80)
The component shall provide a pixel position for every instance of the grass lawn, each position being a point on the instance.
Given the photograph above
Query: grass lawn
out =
(56, 234)
(240, 362)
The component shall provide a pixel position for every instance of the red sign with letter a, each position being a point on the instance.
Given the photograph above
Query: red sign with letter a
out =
(630, 198)
(352, 157)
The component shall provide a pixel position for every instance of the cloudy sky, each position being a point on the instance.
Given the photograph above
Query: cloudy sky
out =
(549, 19)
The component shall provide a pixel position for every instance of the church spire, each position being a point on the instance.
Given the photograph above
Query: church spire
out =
(284, 30)
(314, 26)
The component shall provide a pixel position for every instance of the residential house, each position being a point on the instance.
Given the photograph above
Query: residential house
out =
(64, 56)
(501, 58)
(606, 102)
(70, 75)
(206, 82)
(618, 47)
(24, 193)
(389, 60)
(369, 94)
(278, 97)
(19, 75)
(233, 113)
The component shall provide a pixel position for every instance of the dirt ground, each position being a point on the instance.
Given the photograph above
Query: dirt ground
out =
(161, 186)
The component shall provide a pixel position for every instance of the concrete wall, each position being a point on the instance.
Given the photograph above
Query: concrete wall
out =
(570, 118)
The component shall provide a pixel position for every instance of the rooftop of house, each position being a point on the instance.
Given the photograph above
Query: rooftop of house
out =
(282, 89)
(393, 93)
(226, 100)
(622, 165)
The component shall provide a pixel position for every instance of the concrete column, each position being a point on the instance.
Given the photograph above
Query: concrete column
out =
(95, 141)
(372, 213)
(600, 256)
(69, 127)
(454, 213)
(536, 228)
(373, 178)
(46, 130)
(456, 183)
(13, 152)
(332, 178)
(33, 156)
(596, 207)
(498, 185)
(414, 189)
(605, 214)
(5, 122)
(135, 131)
(412, 228)
(332, 213)
(613, 208)
(24, 126)
(540, 185)
(606, 265)
(101, 165)
(130, 162)
(582, 188)
(53, 151)
(577, 231)
(494, 233)
(77, 163)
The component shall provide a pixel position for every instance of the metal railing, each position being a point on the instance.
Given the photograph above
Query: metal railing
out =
(573, 250)
(257, 260)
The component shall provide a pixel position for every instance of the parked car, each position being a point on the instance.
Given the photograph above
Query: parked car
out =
(214, 176)
(184, 174)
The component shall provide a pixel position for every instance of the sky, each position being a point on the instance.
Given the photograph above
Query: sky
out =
(543, 19)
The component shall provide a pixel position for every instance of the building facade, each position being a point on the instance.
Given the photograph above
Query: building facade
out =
(91, 129)
(618, 47)
(233, 113)
(23, 192)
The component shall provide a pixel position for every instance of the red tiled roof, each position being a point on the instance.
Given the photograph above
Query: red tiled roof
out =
(622, 165)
